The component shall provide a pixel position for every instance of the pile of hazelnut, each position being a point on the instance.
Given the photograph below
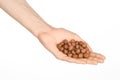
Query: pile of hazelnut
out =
(74, 49)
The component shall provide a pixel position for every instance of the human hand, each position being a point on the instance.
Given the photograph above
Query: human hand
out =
(47, 36)
(51, 38)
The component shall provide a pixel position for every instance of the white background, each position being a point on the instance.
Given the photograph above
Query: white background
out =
(22, 57)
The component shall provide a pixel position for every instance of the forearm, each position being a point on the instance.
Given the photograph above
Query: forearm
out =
(25, 15)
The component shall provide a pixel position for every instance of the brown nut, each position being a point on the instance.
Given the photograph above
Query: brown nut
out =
(66, 46)
(75, 56)
(83, 50)
(88, 52)
(80, 55)
(76, 42)
(73, 44)
(84, 45)
(65, 51)
(69, 55)
(80, 42)
(58, 46)
(70, 48)
(81, 47)
(69, 44)
(65, 41)
(78, 51)
(86, 55)
(62, 43)
(61, 48)
(77, 46)
(73, 52)
(72, 41)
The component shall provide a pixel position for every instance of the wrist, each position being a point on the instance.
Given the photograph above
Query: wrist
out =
(42, 28)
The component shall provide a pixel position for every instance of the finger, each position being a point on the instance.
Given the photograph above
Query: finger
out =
(92, 58)
(96, 59)
(92, 55)
(80, 61)
(72, 60)
(99, 55)
(100, 60)
(90, 61)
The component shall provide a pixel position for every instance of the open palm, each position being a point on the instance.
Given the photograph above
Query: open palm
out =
(51, 38)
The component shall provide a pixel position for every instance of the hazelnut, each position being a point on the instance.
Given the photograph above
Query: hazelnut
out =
(66, 46)
(69, 44)
(73, 52)
(77, 46)
(75, 56)
(61, 48)
(70, 48)
(72, 41)
(84, 45)
(83, 50)
(88, 52)
(80, 42)
(62, 43)
(76, 42)
(65, 51)
(73, 44)
(65, 41)
(86, 55)
(81, 47)
(69, 55)
(58, 46)
(78, 51)
(80, 55)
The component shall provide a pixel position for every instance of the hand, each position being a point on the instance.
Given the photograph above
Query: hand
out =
(51, 38)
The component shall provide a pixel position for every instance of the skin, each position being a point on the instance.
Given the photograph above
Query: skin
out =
(46, 34)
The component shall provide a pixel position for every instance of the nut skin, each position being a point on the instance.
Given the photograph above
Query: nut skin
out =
(80, 42)
(83, 51)
(84, 45)
(80, 55)
(61, 48)
(75, 56)
(81, 48)
(69, 44)
(66, 46)
(62, 43)
(76, 42)
(72, 40)
(58, 46)
(77, 46)
(88, 52)
(73, 44)
(65, 51)
(65, 41)
(73, 52)
(71, 48)
(77, 51)
(86, 55)
(69, 55)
